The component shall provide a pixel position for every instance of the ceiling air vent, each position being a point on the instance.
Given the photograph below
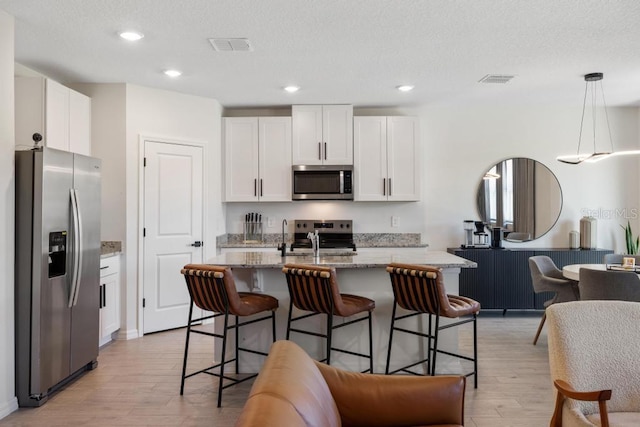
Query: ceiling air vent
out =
(496, 78)
(231, 45)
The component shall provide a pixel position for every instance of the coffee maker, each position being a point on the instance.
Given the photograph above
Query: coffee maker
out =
(475, 239)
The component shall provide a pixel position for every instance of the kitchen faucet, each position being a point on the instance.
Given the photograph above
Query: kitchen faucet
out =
(315, 242)
(283, 246)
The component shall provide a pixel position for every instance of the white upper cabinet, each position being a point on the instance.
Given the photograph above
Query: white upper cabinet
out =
(386, 159)
(61, 115)
(257, 159)
(322, 134)
(79, 123)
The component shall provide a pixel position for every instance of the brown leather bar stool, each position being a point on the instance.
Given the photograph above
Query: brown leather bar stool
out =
(420, 289)
(213, 289)
(315, 289)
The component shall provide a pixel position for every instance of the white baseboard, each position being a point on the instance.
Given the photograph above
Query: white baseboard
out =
(128, 334)
(8, 407)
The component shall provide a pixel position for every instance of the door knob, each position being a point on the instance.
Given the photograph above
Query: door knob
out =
(197, 244)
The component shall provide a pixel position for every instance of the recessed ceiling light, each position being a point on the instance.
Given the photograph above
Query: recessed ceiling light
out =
(405, 88)
(132, 36)
(292, 89)
(173, 73)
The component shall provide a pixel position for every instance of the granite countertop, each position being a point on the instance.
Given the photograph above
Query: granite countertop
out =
(363, 260)
(110, 248)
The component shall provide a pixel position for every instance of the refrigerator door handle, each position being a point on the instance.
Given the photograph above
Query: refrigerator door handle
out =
(77, 248)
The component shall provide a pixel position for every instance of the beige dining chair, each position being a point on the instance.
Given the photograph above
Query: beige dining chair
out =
(593, 348)
(546, 277)
(609, 285)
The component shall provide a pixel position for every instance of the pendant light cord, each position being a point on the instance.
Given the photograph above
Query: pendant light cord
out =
(606, 114)
(584, 105)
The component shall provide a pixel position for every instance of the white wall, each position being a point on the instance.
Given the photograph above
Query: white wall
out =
(459, 145)
(121, 114)
(108, 143)
(171, 116)
(8, 401)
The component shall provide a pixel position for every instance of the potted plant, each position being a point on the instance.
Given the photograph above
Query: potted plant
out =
(632, 244)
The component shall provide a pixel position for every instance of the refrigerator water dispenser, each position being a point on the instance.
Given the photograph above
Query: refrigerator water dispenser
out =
(57, 253)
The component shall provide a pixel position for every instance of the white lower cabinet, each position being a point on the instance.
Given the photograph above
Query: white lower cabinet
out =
(109, 297)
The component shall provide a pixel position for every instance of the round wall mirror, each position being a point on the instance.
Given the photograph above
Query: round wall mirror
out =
(522, 196)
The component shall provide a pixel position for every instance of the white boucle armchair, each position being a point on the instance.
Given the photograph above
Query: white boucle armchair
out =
(594, 355)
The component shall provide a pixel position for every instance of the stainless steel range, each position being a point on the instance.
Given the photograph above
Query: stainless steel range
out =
(333, 234)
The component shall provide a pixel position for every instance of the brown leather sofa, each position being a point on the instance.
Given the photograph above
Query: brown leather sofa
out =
(294, 390)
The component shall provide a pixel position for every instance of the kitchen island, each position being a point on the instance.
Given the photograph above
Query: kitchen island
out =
(361, 274)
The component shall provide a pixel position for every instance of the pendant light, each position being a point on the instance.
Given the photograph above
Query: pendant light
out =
(591, 88)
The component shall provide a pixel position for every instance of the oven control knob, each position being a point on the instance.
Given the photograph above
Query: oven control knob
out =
(341, 225)
(347, 225)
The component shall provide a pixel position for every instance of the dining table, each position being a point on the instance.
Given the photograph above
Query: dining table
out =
(572, 271)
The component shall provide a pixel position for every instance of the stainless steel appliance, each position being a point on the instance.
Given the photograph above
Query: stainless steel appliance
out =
(57, 270)
(477, 238)
(332, 234)
(322, 182)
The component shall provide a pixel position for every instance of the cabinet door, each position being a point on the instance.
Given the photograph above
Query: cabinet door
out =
(513, 280)
(307, 134)
(241, 159)
(274, 159)
(403, 158)
(79, 123)
(56, 116)
(337, 134)
(479, 283)
(109, 313)
(29, 110)
(370, 158)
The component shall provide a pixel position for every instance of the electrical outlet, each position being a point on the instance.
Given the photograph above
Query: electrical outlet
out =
(270, 222)
(395, 221)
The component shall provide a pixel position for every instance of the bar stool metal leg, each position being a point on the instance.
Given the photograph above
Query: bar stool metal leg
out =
(393, 320)
(186, 351)
(222, 357)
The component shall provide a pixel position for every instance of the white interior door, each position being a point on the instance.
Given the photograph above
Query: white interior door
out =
(173, 195)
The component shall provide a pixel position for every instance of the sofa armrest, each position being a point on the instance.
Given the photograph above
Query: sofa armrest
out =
(566, 391)
(384, 400)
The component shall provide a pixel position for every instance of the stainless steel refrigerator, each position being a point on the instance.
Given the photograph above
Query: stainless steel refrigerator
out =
(57, 270)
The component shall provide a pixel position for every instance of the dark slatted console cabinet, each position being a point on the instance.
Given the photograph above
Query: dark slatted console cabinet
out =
(502, 280)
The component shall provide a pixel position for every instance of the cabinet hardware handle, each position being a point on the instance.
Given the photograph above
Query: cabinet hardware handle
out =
(260, 187)
(104, 267)
(319, 151)
(255, 187)
(325, 151)
(384, 186)
(104, 295)
(197, 244)
(389, 186)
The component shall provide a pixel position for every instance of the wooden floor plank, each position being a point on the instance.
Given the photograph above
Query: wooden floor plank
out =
(137, 382)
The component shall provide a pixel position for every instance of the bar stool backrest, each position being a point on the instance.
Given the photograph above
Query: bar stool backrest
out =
(312, 288)
(418, 288)
(212, 288)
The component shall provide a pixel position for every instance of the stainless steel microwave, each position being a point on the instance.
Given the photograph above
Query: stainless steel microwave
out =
(322, 182)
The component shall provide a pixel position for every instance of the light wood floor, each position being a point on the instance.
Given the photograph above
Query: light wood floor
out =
(137, 383)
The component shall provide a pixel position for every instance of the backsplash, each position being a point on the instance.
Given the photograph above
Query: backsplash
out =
(362, 240)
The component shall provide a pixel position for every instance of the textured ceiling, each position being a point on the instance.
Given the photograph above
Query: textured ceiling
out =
(341, 51)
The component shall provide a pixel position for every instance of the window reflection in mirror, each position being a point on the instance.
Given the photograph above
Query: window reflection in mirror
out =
(522, 196)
